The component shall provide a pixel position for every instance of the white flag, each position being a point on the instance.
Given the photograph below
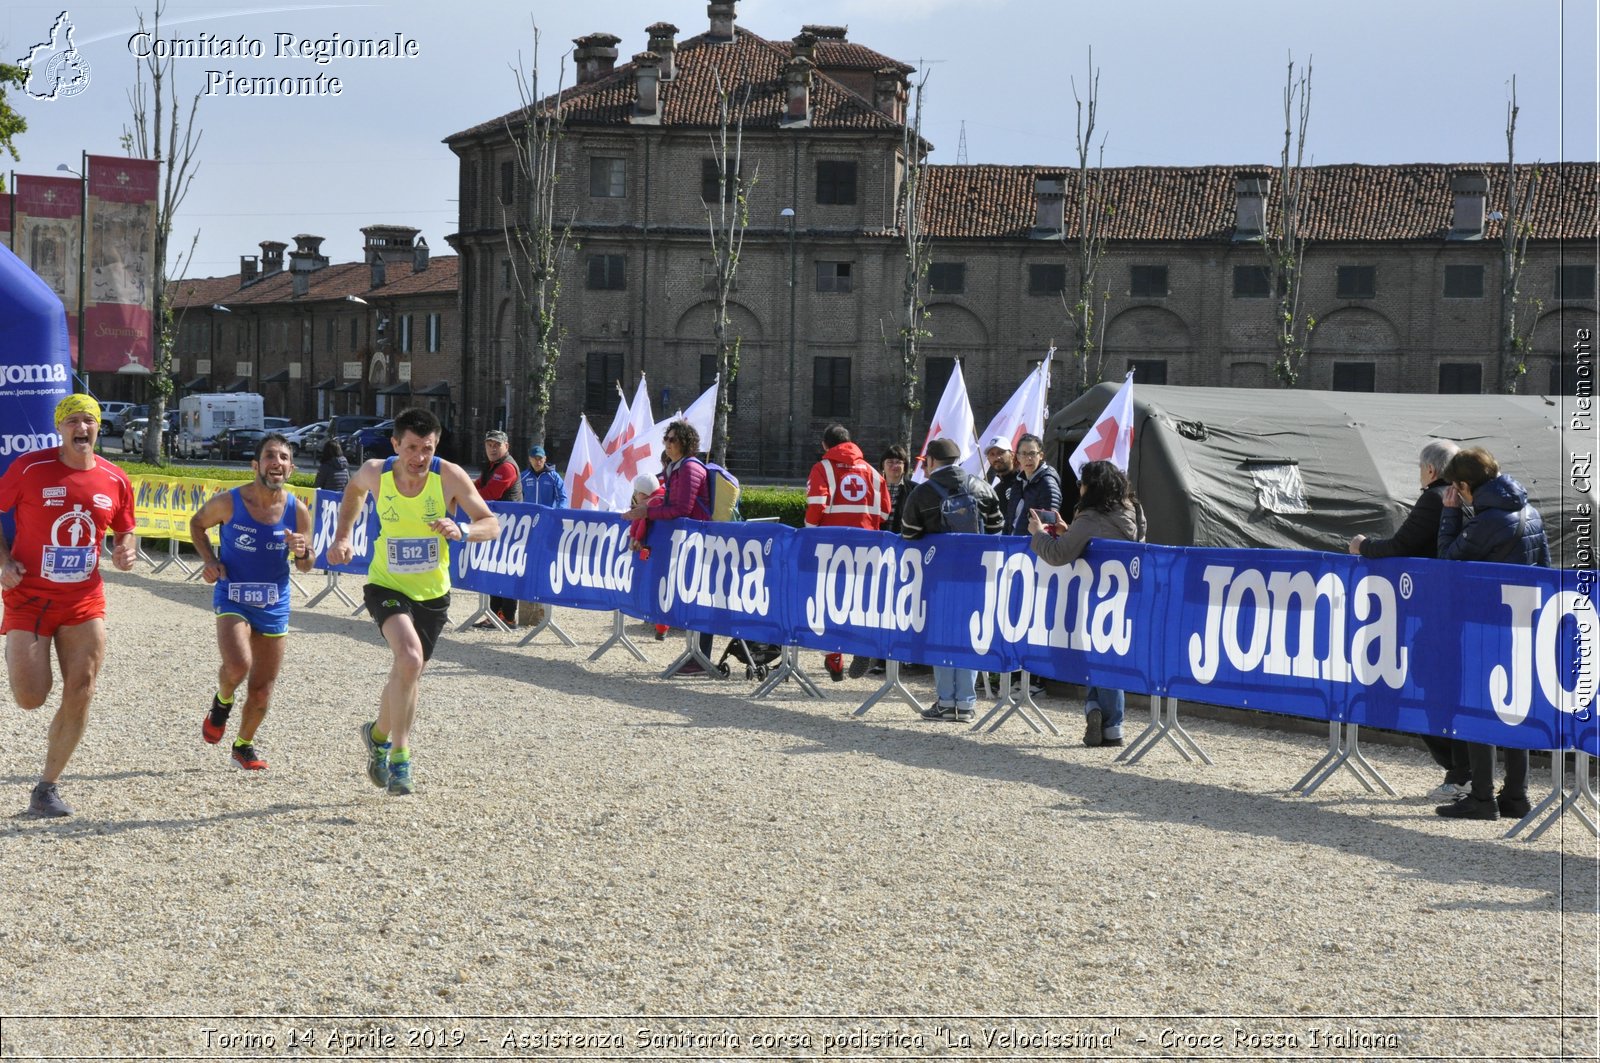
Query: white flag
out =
(702, 414)
(639, 452)
(1024, 413)
(619, 423)
(952, 420)
(1110, 438)
(585, 468)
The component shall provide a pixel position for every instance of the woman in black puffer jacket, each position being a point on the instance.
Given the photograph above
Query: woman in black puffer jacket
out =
(334, 472)
(1503, 528)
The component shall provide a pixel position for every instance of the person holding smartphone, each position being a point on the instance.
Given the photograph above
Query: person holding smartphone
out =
(1106, 510)
(1038, 485)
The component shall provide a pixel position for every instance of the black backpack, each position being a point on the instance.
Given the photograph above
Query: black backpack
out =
(959, 509)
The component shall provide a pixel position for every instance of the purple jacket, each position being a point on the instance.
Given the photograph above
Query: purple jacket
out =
(685, 495)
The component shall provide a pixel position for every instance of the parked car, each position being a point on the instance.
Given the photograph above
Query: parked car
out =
(374, 441)
(236, 444)
(308, 437)
(114, 417)
(133, 435)
(276, 424)
(344, 427)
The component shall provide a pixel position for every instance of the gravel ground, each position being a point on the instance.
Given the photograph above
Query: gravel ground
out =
(597, 859)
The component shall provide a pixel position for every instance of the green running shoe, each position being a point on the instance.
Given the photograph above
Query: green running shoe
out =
(400, 779)
(377, 757)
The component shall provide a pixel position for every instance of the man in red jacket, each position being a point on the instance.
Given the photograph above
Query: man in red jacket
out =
(845, 491)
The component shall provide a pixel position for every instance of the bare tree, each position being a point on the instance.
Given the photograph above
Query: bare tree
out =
(535, 247)
(726, 221)
(162, 133)
(908, 211)
(1088, 312)
(1514, 236)
(1284, 241)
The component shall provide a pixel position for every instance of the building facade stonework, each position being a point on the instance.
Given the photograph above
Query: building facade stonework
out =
(1402, 274)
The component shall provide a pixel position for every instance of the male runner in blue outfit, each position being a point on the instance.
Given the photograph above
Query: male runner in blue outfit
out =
(264, 527)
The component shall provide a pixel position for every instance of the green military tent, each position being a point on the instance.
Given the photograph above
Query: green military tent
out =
(1306, 470)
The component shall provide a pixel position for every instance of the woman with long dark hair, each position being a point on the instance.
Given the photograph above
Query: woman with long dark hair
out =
(1106, 509)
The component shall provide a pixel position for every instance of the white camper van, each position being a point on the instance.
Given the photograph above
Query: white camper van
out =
(200, 417)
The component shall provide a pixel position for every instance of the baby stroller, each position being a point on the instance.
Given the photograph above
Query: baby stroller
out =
(755, 656)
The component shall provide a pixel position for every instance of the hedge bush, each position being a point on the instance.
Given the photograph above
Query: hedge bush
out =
(788, 504)
(206, 472)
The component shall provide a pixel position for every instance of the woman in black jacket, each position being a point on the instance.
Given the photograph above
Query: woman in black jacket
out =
(1040, 485)
(1503, 528)
(1418, 536)
(334, 471)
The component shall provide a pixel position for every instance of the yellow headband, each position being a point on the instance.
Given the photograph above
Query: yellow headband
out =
(77, 404)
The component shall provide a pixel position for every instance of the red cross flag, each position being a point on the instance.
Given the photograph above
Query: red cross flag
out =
(584, 468)
(1110, 438)
(952, 420)
(1025, 412)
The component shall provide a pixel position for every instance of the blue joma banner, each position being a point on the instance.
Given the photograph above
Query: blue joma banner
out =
(1492, 653)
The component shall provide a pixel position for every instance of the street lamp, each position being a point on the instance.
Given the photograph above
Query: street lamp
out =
(788, 212)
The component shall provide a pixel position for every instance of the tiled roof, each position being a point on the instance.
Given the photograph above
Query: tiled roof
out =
(1347, 202)
(690, 98)
(327, 284)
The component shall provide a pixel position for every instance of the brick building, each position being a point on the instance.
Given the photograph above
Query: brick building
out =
(317, 338)
(1402, 273)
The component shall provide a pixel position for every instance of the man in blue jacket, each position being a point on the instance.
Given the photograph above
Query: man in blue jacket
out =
(541, 484)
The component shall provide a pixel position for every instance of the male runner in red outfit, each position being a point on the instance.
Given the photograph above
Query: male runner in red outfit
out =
(62, 500)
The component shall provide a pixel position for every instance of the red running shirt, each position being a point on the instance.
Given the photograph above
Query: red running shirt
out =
(62, 515)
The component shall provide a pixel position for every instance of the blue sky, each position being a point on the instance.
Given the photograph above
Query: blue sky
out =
(1181, 82)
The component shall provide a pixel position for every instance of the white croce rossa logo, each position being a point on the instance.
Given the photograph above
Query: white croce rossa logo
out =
(716, 572)
(1536, 634)
(1248, 618)
(590, 553)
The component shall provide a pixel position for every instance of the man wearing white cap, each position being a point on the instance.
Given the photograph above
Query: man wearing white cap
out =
(1003, 475)
(63, 501)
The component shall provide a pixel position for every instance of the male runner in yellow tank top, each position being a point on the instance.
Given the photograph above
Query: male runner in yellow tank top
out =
(408, 588)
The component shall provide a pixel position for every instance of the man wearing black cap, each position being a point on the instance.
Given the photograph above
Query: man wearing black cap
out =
(499, 483)
(541, 484)
(950, 500)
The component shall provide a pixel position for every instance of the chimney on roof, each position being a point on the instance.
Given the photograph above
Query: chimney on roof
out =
(380, 268)
(797, 90)
(647, 83)
(889, 92)
(302, 283)
(249, 267)
(419, 255)
(595, 56)
(1470, 192)
(663, 42)
(271, 257)
(722, 14)
(1250, 192)
(1050, 194)
(829, 33)
(307, 256)
(804, 46)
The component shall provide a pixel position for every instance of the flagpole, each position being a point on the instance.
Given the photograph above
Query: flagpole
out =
(83, 244)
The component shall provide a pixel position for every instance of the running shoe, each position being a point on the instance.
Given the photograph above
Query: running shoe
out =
(377, 757)
(46, 803)
(400, 779)
(247, 758)
(215, 725)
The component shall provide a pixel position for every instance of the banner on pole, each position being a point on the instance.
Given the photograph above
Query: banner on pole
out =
(118, 312)
(48, 236)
